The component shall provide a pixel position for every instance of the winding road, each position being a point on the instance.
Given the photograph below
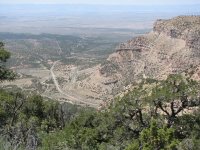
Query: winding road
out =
(71, 99)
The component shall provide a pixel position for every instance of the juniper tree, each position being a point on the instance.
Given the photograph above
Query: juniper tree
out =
(5, 73)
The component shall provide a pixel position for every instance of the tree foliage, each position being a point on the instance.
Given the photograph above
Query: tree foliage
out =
(149, 117)
(5, 73)
(157, 138)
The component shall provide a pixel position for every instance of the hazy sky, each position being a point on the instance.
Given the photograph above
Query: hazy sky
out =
(106, 2)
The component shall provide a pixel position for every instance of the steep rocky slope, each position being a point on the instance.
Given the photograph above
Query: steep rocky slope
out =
(172, 47)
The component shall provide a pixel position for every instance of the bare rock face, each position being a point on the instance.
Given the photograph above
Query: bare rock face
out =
(172, 47)
(196, 74)
(182, 27)
(178, 27)
(193, 39)
(137, 44)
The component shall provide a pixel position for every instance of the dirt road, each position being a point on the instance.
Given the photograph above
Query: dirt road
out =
(71, 98)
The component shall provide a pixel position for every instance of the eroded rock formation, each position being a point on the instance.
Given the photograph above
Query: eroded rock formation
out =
(172, 47)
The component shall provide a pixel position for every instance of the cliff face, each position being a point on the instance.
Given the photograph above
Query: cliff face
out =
(183, 27)
(172, 47)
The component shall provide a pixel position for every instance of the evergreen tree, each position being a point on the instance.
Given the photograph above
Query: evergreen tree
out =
(5, 73)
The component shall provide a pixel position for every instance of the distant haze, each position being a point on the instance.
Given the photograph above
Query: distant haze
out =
(82, 18)
(105, 2)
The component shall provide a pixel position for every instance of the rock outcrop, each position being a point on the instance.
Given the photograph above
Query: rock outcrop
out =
(172, 47)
